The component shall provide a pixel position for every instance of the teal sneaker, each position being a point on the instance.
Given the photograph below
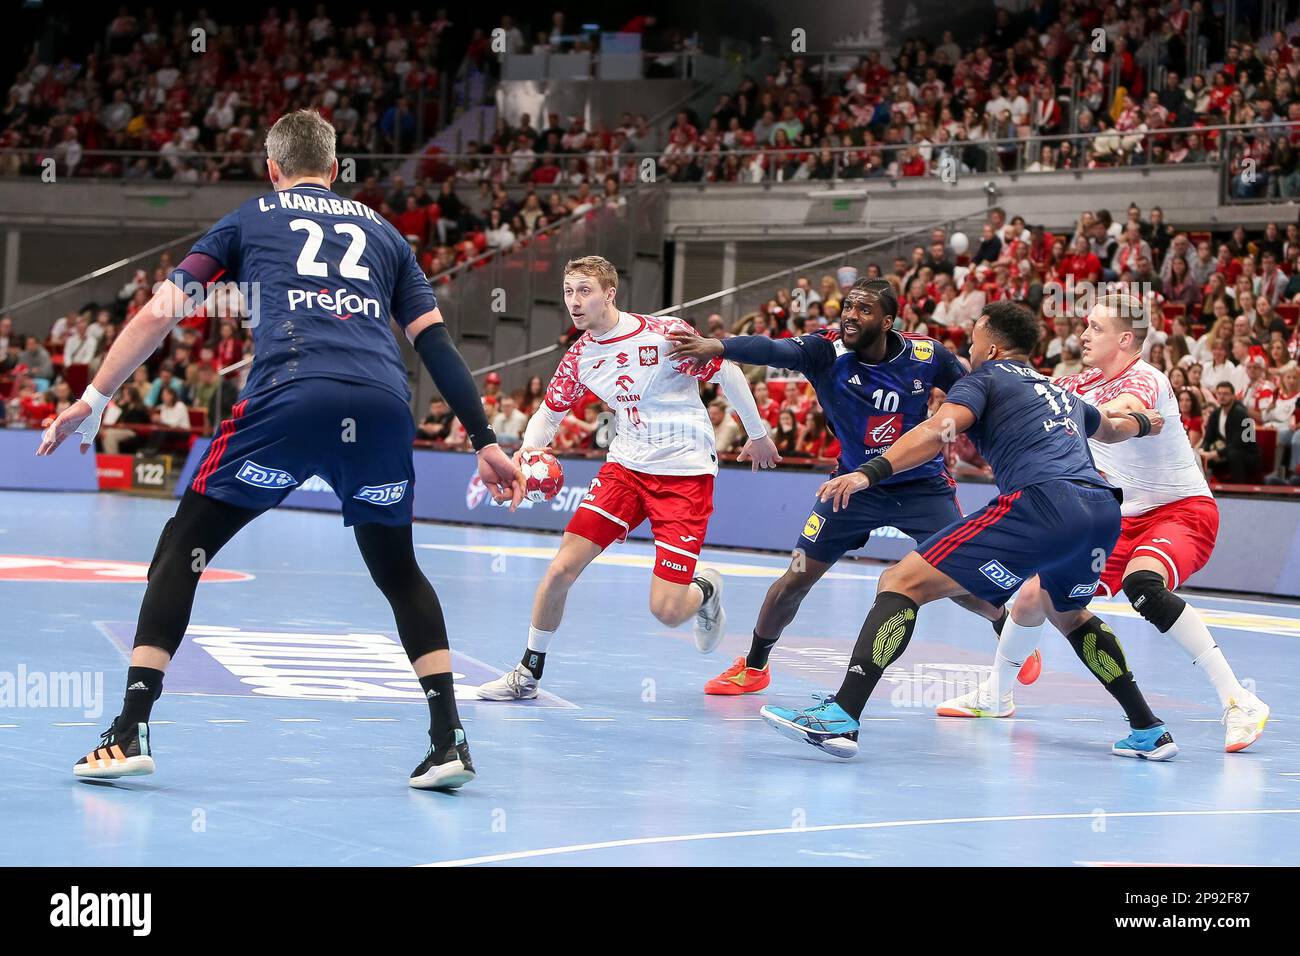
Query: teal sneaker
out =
(1154, 743)
(827, 726)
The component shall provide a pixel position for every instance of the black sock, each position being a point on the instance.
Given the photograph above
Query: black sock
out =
(143, 687)
(440, 692)
(883, 638)
(759, 648)
(1100, 651)
(534, 661)
(1001, 622)
(705, 587)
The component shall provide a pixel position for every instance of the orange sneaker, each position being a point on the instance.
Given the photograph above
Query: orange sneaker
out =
(1031, 668)
(739, 679)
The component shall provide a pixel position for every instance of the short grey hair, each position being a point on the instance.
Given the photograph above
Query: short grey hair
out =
(302, 144)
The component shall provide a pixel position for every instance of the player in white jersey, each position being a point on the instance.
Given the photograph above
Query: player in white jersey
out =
(660, 466)
(1170, 520)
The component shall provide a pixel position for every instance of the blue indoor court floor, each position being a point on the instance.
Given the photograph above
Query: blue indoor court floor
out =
(291, 720)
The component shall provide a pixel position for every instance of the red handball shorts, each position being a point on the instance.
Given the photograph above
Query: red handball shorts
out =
(678, 507)
(1180, 535)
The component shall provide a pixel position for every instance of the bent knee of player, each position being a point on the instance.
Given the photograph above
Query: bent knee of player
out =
(670, 606)
(1031, 605)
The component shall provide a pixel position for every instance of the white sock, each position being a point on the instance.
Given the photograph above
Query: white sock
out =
(1194, 637)
(539, 640)
(1015, 644)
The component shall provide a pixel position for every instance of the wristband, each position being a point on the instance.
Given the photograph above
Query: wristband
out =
(877, 469)
(1144, 424)
(481, 440)
(92, 397)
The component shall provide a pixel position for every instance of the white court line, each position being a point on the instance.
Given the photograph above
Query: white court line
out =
(833, 827)
(75, 723)
(7, 726)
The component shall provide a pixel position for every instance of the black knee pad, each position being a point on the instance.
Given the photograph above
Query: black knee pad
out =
(1151, 598)
(158, 550)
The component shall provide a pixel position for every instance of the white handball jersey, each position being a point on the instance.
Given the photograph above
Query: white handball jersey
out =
(661, 426)
(1152, 471)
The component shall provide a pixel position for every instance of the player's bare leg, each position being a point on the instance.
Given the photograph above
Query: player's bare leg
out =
(189, 541)
(1146, 585)
(750, 673)
(576, 552)
(673, 603)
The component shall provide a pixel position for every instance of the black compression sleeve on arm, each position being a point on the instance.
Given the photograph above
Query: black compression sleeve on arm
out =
(451, 375)
(760, 350)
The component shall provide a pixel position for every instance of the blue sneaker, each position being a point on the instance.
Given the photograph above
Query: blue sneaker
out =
(826, 726)
(1155, 743)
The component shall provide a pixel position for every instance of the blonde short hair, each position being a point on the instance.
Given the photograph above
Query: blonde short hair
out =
(302, 144)
(595, 267)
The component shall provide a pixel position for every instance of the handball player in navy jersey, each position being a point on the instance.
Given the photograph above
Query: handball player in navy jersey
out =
(327, 395)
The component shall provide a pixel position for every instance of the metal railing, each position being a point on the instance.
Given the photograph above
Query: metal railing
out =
(734, 302)
(1020, 153)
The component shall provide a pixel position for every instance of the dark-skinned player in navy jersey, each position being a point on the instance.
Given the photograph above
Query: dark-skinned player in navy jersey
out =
(874, 384)
(1056, 518)
(327, 395)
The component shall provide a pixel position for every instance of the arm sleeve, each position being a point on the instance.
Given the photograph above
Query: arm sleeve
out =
(805, 353)
(542, 427)
(1091, 419)
(412, 294)
(971, 391)
(734, 386)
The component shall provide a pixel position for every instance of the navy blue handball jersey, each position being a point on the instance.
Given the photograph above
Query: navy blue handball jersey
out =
(869, 407)
(1029, 430)
(322, 278)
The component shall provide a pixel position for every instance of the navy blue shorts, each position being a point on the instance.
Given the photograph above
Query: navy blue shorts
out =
(1059, 530)
(357, 438)
(916, 508)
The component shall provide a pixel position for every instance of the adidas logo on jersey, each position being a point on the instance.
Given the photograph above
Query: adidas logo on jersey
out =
(855, 380)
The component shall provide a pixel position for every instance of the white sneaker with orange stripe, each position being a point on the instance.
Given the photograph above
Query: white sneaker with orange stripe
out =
(120, 754)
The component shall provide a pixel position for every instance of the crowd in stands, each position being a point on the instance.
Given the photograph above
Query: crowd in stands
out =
(177, 395)
(1223, 327)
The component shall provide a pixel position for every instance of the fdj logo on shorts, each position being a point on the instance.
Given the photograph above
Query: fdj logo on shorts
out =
(999, 575)
(1084, 590)
(383, 494)
(251, 473)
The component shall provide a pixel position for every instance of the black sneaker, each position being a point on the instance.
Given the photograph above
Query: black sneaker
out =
(445, 767)
(121, 753)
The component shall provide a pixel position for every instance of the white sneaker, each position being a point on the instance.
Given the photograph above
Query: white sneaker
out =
(518, 684)
(1244, 720)
(710, 619)
(978, 703)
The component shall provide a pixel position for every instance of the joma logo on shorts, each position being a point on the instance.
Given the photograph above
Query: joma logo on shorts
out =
(671, 564)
